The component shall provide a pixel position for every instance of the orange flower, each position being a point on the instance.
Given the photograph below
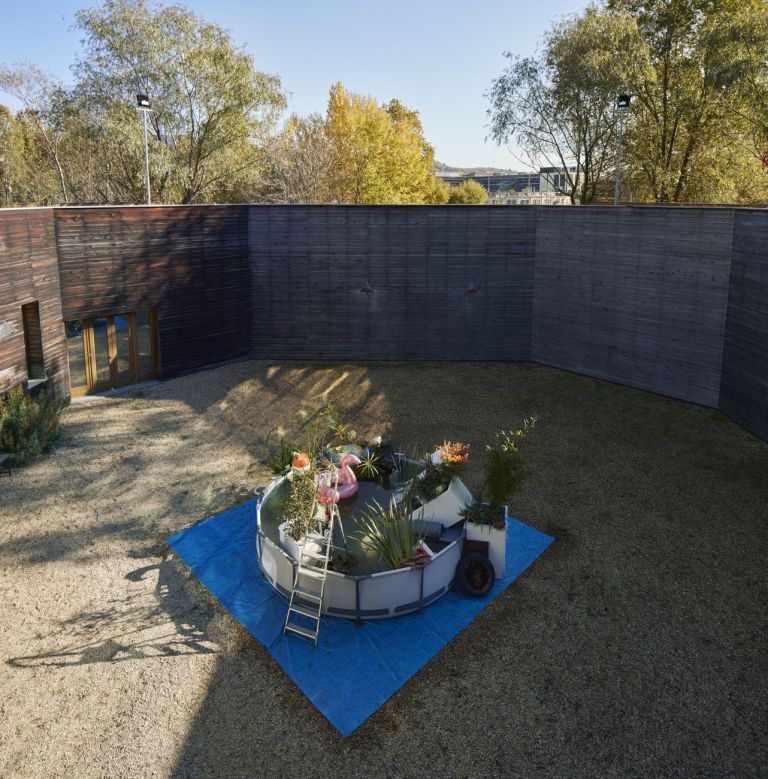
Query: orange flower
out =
(300, 460)
(455, 455)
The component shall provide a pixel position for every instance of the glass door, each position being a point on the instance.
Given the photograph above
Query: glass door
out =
(123, 370)
(111, 351)
(97, 351)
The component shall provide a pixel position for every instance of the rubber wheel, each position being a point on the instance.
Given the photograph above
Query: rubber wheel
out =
(475, 575)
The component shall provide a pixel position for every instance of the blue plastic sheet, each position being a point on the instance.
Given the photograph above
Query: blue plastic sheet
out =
(353, 669)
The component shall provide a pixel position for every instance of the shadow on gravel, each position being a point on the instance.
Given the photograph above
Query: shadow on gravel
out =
(172, 620)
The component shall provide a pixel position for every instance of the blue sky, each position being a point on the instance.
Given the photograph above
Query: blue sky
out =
(437, 56)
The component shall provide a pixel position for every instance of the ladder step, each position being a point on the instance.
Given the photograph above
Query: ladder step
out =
(306, 611)
(313, 556)
(310, 634)
(307, 593)
(317, 537)
(313, 573)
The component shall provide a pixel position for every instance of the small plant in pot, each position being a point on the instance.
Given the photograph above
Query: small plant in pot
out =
(388, 532)
(377, 461)
(504, 474)
(446, 462)
(297, 510)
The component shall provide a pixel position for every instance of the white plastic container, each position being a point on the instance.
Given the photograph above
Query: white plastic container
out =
(445, 508)
(497, 543)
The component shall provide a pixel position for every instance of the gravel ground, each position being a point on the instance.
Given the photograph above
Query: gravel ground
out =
(635, 646)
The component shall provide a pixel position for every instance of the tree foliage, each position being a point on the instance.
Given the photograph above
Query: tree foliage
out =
(469, 192)
(380, 153)
(299, 163)
(43, 100)
(687, 114)
(212, 111)
(360, 152)
(559, 105)
(697, 130)
(209, 102)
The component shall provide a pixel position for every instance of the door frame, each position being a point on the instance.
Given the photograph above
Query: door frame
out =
(89, 353)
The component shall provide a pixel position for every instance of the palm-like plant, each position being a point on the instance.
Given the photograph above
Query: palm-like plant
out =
(369, 466)
(388, 532)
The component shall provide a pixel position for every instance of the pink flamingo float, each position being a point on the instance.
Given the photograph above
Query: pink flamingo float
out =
(336, 486)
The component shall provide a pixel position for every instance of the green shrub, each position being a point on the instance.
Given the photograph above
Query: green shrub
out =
(28, 425)
(388, 531)
(504, 474)
(285, 459)
(297, 511)
(504, 465)
(481, 513)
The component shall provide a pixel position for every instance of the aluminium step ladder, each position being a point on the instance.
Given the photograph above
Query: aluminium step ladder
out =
(309, 577)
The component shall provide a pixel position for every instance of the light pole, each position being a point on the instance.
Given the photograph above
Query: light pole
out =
(144, 106)
(622, 106)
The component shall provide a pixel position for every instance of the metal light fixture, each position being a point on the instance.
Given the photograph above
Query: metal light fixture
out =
(143, 104)
(622, 106)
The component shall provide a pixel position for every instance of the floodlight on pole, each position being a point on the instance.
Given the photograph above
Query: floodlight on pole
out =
(143, 104)
(622, 106)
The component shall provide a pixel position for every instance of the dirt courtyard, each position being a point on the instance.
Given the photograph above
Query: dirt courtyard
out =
(635, 646)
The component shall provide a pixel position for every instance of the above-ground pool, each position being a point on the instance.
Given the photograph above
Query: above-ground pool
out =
(362, 593)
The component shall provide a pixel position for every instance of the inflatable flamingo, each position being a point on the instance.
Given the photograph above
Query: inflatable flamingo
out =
(332, 488)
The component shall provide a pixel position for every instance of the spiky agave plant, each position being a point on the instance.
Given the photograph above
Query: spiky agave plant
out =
(369, 466)
(388, 531)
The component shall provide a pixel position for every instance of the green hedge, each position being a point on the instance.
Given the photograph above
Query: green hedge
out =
(28, 425)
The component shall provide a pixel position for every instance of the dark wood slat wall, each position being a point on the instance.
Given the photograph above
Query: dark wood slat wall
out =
(744, 389)
(666, 299)
(397, 282)
(29, 272)
(190, 263)
(637, 296)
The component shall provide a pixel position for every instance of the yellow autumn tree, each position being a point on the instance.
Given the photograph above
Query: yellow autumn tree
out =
(380, 153)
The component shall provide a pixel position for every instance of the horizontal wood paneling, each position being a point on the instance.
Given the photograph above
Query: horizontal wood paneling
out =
(744, 388)
(189, 263)
(28, 272)
(341, 282)
(634, 295)
(672, 300)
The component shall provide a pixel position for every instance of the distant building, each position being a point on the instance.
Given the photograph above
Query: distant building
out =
(505, 188)
(553, 179)
(530, 196)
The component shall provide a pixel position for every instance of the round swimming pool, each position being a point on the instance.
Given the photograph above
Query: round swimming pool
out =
(364, 591)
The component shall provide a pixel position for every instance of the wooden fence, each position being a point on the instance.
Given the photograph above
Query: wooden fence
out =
(672, 300)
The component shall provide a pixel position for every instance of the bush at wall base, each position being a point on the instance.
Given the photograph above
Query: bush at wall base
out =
(28, 425)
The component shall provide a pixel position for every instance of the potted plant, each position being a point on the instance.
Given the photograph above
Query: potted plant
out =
(504, 474)
(299, 518)
(389, 533)
(439, 488)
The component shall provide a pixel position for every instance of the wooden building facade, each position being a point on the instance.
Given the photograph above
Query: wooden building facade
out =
(32, 343)
(668, 299)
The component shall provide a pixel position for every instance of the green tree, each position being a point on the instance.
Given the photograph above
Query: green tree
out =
(559, 105)
(43, 100)
(469, 192)
(13, 174)
(211, 108)
(379, 151)
(299, 165)
(688, 103)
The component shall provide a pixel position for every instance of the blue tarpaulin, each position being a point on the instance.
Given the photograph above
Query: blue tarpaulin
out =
(353, 669)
